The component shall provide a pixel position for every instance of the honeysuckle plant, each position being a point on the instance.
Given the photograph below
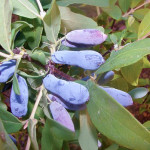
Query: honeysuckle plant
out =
(68, 79)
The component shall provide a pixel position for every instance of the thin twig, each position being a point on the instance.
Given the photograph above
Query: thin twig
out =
(28, 144)
(42, 12)
(98, 10)
(144, 36)
(36, 103)
(134, 9)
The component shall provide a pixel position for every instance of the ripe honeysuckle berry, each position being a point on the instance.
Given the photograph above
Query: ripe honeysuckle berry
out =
(121, 97)
(105, 77)
(87, 59)
(71, 92)
(61, 115)
(86, 37)
(18, 103)
(7, 70)
(73, 45)
(66, 104)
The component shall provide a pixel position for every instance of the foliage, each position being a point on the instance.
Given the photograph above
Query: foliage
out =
(54, 52)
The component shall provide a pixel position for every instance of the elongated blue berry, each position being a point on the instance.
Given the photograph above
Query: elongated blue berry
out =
(66, 104)
(120, 96)
(86, 59)
(106, 77)
(74, 45)
(7, 69)
(61, 115)
(71, 92)
(18, 103)
(86, 37)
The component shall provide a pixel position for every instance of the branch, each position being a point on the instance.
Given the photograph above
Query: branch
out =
(134, 9)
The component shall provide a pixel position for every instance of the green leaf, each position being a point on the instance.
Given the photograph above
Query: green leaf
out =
(60, 131)
(5, 142)
(100, 3)
(16, 85)
(147, 125)
(88, 136)
(49, 140)
(138, 92)
(35, 83)
(132, 72)
(70, 21)
(111, 119)
(134, 3)
(146, 63)
(124, 5)
(25, 9)
(144, 27)
(33, 35)
(126, 56)
(140, 13)
(119, 83)
(5, 24)
(31, 76)
(16, 27)
(32, 133)
(52, 21)
(113, 11)
(39, 56)
(113, 147)
(11, 123)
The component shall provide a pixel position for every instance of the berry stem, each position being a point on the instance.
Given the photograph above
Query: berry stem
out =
(36, 103)
(42, 12)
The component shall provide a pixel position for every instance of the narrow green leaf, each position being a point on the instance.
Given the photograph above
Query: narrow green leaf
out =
(119, 83)
(100, 3)
(31, 76)
(25, 9)
(113, 11)
(16, 27)
(124, 5)
(112, 147)
(132, 72)
(144, 27)
(32, 133)
(111, 119)
(146, 63)
(11, 123)
(88, 137)
(16, 85)
(39, 56)
(70, 21)
(5, 24)
(134, 3)
(5, 142)
(52, 21)
(33, 35)
(126, 56)
(49, 140)
(140, 13)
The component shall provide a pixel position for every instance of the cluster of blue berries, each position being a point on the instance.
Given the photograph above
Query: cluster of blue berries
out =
(71, 95)
(18, 103)
(66, 94)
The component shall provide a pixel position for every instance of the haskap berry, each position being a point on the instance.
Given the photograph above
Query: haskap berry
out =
(7, 70)
(71, 92)
(86, 59)
(18, 103)
(61, 115)
(121, 97)
(105, 77)
(90, 37)
(66, 104)
(74, 45)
